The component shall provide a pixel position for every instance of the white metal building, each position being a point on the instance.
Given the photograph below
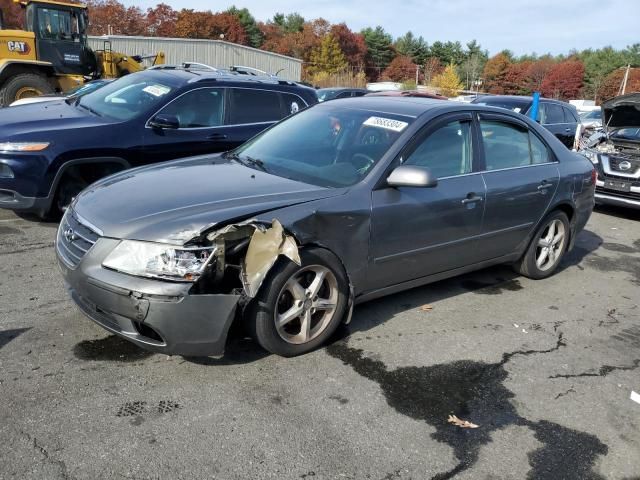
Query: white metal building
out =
(216, 53)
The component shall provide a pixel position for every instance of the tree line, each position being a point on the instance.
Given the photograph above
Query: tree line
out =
(333, 53)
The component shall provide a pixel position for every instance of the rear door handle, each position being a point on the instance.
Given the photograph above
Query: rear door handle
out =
(217, 136)
(544, 186)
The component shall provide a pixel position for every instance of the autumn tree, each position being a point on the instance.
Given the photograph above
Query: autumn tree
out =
(432, 67)
(515, 81)
(610, 87)
(564, 80)
(13, 14)
(379, 50)
(352, 44)
(161, 21)
(193, 24)
(538, 70)
(448, 81)
(249, 24)
(598, 64)
(494, 72)
(400, 69)
(327, 57)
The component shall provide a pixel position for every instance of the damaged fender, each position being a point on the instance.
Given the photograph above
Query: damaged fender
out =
(266, 244)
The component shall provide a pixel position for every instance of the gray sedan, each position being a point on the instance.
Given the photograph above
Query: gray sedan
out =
(341, 203)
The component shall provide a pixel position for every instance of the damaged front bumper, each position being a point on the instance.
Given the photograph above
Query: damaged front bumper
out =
(156, 315)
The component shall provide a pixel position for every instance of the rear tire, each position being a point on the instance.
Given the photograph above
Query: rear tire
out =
(24, 85)
(547, 247)
(289, 300)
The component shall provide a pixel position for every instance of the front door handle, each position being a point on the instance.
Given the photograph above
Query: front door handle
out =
(544, 186)
(472, 198)
(217, 136)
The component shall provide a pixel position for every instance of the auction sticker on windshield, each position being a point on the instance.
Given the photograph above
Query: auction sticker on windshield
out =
(386, 123)
(156, 90)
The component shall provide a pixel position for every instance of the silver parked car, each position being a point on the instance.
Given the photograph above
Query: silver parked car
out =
(341, 203)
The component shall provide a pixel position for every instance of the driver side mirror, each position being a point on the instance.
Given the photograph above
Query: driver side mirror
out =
(412, 176)
(165, 122)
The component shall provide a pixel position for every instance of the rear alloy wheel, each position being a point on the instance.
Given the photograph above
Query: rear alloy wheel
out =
(299, 307)
(547, 247)
(25, 85)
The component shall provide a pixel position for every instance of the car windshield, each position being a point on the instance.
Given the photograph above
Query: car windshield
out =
(324, 146)
(85, 89)
(325, 93)
(125, 98)
(593, 115)
(518, 106)
(627, 134)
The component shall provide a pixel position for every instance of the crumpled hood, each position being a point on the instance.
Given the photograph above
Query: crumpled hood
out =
(42, 118)
(622, 112)
(173, 201)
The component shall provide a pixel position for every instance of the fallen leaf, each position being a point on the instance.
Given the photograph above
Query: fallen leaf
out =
(426, 308)
(461, 423)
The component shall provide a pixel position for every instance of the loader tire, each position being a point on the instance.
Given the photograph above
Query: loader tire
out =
(24, 85)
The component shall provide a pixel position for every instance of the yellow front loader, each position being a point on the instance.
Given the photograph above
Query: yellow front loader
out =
(52, 53)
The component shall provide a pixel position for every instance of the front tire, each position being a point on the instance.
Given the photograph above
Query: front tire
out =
(547, 248)
(299, 307)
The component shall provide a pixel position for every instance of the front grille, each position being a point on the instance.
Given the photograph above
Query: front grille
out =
(614, 193)
(74, 239)
(614, 163)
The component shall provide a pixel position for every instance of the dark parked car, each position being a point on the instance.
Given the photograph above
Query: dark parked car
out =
(342, 203)
(326, 94)
(50, 151)
(560, 118)
(616, 152)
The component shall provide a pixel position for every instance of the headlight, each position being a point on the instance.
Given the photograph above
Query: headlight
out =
(23, 147)
(145, 259)
(591, 155)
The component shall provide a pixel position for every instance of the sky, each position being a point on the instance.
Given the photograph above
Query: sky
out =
(522, 26)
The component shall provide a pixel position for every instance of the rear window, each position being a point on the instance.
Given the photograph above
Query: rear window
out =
(254, 106)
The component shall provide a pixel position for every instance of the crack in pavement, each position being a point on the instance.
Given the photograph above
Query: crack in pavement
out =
(602, 371)
(44, 452)
(475, 391)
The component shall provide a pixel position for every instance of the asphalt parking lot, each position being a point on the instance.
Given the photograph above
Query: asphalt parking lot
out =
(544, 368)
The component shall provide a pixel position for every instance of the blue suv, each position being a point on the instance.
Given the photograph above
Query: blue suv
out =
(49, 152)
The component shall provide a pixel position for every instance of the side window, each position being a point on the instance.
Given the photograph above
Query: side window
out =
(292, 103)
(506, 145)
(569, 117)
(554, 114)
(54, 24)
(358, 93)
(344, 95)
(446, 152)
(539, 151)
(254, 106)
(199, 108)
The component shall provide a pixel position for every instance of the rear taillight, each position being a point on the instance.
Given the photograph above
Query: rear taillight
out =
(594, 176)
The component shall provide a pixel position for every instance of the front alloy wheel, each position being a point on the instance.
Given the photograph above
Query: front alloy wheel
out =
(299, 307)
(306, 304)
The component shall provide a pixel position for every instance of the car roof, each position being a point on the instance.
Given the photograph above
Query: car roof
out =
(180, 76)
(522, 97)
(414, 107)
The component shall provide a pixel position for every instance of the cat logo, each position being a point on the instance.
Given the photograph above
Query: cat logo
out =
(22, 48)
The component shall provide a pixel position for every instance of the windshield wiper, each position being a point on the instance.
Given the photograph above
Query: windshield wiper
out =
(78, 104)
(247, 161)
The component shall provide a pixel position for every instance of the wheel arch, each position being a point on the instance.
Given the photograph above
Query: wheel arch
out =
(69, 165)
(11, 68)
